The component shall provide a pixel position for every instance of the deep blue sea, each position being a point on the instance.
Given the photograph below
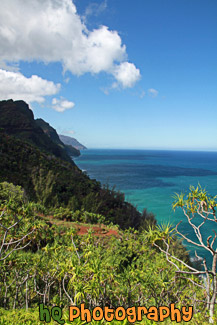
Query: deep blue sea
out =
(149, 179)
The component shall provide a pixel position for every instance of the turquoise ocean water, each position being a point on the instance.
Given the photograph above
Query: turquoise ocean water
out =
(149, 178)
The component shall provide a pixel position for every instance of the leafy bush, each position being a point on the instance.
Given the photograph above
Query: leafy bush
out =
(59, 267)
(79, 216)
(10, 192)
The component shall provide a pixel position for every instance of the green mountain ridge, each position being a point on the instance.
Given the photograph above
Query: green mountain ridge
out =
(31, 159)
(17, 119)
(52, 134)
(57, 263)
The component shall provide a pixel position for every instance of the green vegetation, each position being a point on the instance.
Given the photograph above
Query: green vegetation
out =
(17, 119)
(59, 267)
(33, 157)
(52, 134)
(199, 209)
(57, 183)
(44, 257)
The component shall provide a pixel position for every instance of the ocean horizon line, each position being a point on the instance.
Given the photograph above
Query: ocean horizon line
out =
(152, 149)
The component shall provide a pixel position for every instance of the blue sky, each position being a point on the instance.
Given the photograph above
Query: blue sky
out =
(115, 74)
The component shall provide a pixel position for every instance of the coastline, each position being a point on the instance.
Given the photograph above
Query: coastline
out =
(149, 178)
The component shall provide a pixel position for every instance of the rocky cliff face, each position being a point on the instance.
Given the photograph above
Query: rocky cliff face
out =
(16, 116)
(17, 119)
(52, 134)
(49, 131)
(71, 141)
(30, 158)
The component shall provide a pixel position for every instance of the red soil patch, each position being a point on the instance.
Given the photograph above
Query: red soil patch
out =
(97, 231)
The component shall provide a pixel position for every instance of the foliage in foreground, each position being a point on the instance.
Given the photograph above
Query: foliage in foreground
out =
(199, 209)
(58, 267)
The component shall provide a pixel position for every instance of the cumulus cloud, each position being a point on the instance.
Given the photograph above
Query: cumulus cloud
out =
(16, 86)
(52, 31)
(126, 74)
(61, 105)
(152, 92)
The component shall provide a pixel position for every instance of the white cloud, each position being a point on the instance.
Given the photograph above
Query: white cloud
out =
(71, 132)
(12, 66)
(52, 31)
(16, 86)
(152, 92)
(61, 105)
(66, 131)
(126, 74)
(94, 9)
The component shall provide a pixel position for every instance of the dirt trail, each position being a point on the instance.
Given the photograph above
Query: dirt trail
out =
(82, 229)
(97, 230)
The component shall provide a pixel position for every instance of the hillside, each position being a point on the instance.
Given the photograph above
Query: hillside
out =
(70, 253)
(17, 119)
(71, 141)
(52, 134)
(31, 159)
(69, 263)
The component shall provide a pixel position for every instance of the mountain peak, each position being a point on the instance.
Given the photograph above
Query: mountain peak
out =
(17, 119)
